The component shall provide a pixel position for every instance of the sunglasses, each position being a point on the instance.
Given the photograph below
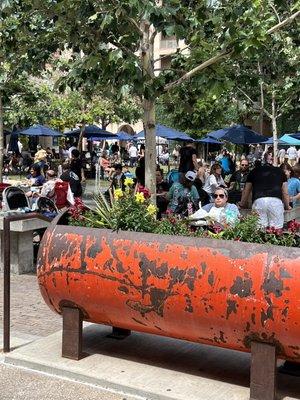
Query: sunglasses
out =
(215, 196)
(244, 165)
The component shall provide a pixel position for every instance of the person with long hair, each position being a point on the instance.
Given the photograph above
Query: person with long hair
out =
(214, 180)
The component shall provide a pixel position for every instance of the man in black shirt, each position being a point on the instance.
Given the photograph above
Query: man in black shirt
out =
(72, 178)
(269, 193)
(188, 158)
(76, 165)
(237, 182)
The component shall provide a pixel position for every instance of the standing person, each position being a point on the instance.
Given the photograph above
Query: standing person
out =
(238, 181)
(281, 156)
(226, 163)
(133, 155)
(269, 193)
(214, 180)
(70, 177)
(76, 165)
(188, 158)
(115, 148)
(293, 182)
(71, 148)
(292, 155)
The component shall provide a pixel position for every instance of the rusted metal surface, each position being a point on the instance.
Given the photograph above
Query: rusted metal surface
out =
(6, 271)
(221, 293)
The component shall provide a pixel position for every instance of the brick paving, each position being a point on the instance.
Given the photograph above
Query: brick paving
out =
(29, 313)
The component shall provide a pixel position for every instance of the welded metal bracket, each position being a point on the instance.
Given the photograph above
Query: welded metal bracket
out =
(263, 374)
(119, 333)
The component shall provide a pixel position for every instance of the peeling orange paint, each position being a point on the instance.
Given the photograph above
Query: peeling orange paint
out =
(214, 292)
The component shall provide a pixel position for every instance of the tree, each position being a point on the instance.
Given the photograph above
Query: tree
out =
(112, 43)
(18, 27)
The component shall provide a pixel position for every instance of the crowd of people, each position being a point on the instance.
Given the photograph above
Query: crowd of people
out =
(222, 182)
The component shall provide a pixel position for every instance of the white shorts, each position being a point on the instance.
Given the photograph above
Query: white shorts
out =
(270, 210)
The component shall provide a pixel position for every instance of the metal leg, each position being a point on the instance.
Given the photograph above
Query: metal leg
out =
(72, 333)
(119, 333)
(263, 371)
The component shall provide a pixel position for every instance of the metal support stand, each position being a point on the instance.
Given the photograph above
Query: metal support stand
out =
(263, 371)
(119, 333)
(6, 271)
(72, 333)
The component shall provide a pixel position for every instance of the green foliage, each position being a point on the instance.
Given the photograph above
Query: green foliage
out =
(126, 211)
(173, 225)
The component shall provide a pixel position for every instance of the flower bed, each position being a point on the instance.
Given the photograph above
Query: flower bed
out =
(134, 212)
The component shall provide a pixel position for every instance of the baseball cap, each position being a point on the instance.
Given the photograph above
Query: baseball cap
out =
(191, 176)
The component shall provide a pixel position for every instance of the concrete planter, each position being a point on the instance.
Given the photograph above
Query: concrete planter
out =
(216, 292)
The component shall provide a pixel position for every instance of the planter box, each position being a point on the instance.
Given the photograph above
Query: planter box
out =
(216, 292)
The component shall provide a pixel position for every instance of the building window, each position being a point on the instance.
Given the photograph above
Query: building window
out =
(168, 42)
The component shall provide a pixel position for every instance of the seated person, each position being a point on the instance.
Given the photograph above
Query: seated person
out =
(69, 176)
(35, 177)
(183, 192)
(48, 187)
(118, 178)
(162, 188)
(106, 169)
(221, 211)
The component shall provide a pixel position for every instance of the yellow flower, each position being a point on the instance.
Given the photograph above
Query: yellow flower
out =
(139, 197)
(118, 194)
(128, 182)
(151, 209)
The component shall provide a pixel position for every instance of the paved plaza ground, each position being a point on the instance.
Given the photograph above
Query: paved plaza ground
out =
(32, 319)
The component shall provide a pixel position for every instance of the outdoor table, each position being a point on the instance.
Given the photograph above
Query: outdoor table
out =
(21, 244)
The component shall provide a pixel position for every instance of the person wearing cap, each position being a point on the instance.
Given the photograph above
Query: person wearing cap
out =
(220, 210)
(183, 189)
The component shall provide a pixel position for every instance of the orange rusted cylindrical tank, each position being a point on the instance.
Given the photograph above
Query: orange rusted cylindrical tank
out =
(215, 292)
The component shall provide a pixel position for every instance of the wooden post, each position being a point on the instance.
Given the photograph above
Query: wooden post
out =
(263, 371)
(72, 333)
(1, 137)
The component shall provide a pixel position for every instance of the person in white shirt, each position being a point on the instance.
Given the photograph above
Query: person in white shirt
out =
(214, 180)
(281, 156)
(133, 154)
(292, 155)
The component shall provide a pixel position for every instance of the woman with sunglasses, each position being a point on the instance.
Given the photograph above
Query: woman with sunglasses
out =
(220, 210)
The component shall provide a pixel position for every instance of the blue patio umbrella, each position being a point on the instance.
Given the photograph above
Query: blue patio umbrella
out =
(295, 135)
(291, 139)
(90, 131)
(39, 130)
(238, 134)
(167, 133)
(217, 134)
(208, 140)
(126, 137)
(271, 141)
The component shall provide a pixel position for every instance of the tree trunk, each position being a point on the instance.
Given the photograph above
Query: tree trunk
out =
(149, 111)
(274, 130)
(79, 144)
(1, 139)
(262, 101)
(150, 147)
